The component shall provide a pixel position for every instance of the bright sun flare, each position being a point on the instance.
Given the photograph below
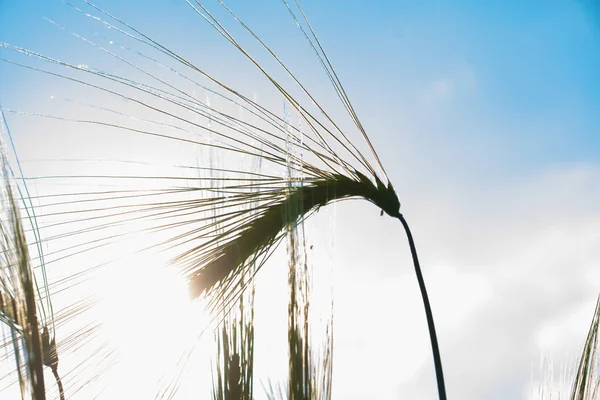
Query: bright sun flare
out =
(148, 317)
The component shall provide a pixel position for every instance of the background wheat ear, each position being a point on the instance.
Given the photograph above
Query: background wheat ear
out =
(22, 313)
(586, 384)
(33, 345)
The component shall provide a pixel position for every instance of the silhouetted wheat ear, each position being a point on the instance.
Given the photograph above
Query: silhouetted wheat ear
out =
(263, 230)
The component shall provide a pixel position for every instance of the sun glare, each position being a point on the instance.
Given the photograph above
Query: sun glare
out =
(149, 318)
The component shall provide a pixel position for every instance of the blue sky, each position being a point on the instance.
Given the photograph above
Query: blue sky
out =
(487, 118)
(512, 81)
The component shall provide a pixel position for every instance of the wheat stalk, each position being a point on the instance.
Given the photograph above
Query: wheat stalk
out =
(235, 340)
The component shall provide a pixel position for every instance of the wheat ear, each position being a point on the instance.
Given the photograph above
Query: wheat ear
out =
(586, 383)
(262, 231)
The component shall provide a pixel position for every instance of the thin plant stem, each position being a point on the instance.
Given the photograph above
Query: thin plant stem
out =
(432, 335)
(61, 390)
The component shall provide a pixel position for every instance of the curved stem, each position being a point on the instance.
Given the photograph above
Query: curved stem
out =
(61, 391)
(432, 335)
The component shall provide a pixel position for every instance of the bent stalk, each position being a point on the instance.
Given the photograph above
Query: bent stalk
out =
(432, 335)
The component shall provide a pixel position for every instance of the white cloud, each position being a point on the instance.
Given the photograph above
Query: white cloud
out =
(537, 244)
(438, 90)
(459, 80)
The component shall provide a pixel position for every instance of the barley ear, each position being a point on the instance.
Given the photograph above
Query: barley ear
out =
(586, 383)
(296, 204)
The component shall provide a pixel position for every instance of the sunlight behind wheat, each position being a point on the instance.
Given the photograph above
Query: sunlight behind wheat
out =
(149, 317)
